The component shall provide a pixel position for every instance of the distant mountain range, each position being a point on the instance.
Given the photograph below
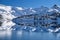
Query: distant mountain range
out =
(30, 19)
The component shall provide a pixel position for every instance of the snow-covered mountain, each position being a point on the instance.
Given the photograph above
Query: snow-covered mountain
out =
(14, 17)
(6, 14)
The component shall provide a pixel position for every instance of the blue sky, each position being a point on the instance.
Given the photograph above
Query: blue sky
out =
(30, 3)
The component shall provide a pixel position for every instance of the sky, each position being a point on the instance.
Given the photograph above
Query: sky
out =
(30, 3)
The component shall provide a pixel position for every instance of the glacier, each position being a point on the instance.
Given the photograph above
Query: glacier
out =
(42, 19)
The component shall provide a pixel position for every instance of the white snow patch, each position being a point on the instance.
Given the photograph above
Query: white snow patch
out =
(19, 8)
(34, 11)
(33, 29)
(53, 10)
(50, 30)
(6, 8)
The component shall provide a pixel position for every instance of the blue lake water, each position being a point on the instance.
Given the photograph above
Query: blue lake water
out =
(23, 35)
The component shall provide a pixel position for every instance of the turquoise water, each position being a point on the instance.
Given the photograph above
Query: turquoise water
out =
(23, 35)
